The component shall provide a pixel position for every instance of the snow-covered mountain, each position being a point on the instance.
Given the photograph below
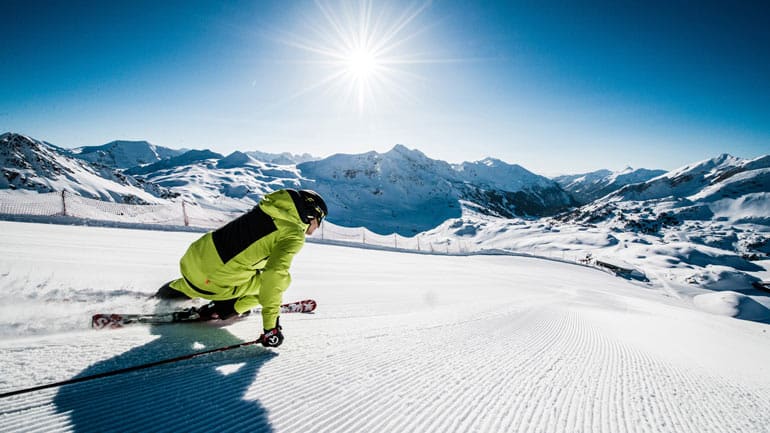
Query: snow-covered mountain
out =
(399, 191)
(496, 174)
(493, 187)
(35, 165)
(284, 158)
(708, 180)
(406, 192)
(125, 154)
(402, 190)
(725, 188)
(588, 187)
(721, 203)
(187, 158)
(233, 183)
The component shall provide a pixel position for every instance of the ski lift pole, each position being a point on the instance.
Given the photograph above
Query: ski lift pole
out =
(129, 369)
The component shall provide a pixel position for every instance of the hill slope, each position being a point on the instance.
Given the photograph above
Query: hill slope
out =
(516, 345)
(34, 165)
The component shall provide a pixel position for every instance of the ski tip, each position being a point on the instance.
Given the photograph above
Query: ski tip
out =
(309, 305)
(106, 321)
(306, 306)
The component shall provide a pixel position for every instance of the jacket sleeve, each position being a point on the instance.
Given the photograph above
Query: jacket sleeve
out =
(275, 279)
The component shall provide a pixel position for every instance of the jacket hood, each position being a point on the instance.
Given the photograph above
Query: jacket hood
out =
(280, 205)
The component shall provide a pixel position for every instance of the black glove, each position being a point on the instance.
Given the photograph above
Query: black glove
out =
(272, 337)
(221, 310)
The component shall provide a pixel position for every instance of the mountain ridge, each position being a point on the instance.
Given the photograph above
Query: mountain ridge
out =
(587, 187)
(725, 188)
(125, 154)
(403, 190)
(39, 166)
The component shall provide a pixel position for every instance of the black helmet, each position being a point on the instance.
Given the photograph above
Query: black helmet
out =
(310, 205)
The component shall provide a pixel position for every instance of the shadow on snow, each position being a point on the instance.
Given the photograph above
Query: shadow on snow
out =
(201, 394)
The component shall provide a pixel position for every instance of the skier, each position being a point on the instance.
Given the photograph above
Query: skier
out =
(246, 262)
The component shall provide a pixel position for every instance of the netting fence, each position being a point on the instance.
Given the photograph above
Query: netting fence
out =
(66, 206)
(331, 233)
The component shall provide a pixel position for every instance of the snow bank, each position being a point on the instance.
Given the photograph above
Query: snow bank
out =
(722, 278)
(732, 304)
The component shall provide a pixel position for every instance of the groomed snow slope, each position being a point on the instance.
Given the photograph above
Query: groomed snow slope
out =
(399, 343)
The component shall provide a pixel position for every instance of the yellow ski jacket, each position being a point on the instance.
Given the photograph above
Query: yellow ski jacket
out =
(248, 259)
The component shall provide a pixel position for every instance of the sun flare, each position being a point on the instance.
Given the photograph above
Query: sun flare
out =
(363, 52)
(361, 64)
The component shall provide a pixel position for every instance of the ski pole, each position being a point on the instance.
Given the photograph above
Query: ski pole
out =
(129, 369)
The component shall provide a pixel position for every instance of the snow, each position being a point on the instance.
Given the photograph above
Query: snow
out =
(587, 187)
(399, 342)
(729, 303)
(233, 183)
(35, 165)
(125, 153)
(406, 192)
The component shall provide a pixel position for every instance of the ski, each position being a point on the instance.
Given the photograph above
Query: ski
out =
(114, 321)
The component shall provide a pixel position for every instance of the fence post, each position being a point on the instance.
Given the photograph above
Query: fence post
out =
(63, 204)
(395, 240)
(184, 215)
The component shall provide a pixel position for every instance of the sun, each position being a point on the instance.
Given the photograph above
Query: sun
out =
(361, 64)
(362, 53)
(363, 72)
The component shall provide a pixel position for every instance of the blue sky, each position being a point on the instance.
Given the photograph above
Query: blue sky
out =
(558, 87)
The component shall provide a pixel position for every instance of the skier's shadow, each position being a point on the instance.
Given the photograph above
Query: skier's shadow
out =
(202, 394)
